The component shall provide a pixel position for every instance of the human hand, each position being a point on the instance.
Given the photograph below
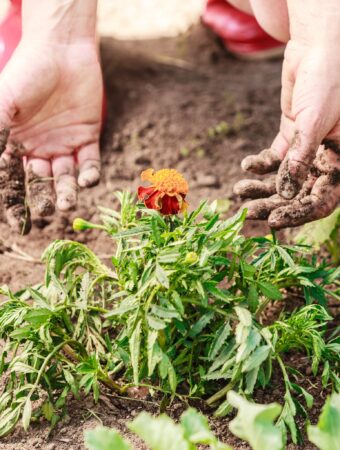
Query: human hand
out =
(318, 197)
(50, 100)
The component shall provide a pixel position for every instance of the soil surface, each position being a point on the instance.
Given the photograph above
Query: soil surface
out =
(174, 102)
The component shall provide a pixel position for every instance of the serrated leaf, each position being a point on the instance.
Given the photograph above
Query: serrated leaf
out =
(255, 423)
(256, 358)
(162, 276)
(201, 324)
(222, 335)
(26, 414)
(269, 290)
(244, 316)
(326, 434)
(102, 438)
(154, 351)
(134, 345)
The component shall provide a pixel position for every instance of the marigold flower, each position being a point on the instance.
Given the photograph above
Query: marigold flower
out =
(166, 193)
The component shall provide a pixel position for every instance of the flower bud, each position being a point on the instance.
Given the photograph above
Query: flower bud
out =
(81, 224)
(191, 258)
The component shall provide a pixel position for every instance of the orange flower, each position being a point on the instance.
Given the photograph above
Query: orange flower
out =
(166, 193)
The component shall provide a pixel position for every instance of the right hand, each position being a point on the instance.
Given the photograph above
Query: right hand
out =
(318, 197)
(51, 101)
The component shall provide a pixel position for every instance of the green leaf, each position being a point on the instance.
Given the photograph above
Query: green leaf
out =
(155, 323)
(326, 434)
(201, 324)
(196, 427)
(285, 256)
(38, 317)
(102, 438)
(253, 298)
(134, 344)
(26, 414)
(255, 423)
(269, 290)
(154, 351)
(162, 276)
(222, 335)
(244, 316)
(256, 358)
(160, 433)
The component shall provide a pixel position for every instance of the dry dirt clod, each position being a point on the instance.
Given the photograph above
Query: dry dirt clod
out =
(12, 192)
(41, 194)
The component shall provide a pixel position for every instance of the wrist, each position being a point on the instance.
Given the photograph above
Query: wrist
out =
(62, 22)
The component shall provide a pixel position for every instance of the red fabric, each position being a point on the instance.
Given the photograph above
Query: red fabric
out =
(239, 31)
(10, 32)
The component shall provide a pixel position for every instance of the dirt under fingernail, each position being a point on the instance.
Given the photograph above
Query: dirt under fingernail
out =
(41, 194)
(90, 177)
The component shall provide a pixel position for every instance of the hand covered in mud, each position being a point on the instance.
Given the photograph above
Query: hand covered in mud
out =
(50, 117)
(318, 197)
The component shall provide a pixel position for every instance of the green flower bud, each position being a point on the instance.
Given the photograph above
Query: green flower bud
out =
(81, 224)
(191, 258)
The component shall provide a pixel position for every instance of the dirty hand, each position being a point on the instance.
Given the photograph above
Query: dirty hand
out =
(318, 197)
(50, 110)
(310, 104)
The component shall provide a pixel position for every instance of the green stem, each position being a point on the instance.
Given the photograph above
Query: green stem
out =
(220, 394)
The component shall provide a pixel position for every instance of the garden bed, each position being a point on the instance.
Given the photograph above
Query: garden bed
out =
(181, 103)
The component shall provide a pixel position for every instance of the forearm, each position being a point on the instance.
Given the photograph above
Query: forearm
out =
(61, 21)
(315, 22)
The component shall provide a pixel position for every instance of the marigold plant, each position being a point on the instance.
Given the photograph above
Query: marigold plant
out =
(178, 310)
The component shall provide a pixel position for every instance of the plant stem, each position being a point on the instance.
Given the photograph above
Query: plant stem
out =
(220, 394)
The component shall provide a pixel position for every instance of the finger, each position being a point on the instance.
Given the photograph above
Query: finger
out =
(40, 186)
(265, 162)
(12, 192)
(256, 188)
(260, 209)
(323, 199)
(63, 169)
(327, 157)
(4, 135)
(89, 165)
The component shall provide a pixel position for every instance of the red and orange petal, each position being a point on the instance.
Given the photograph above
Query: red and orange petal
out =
(165, 204)
(167, 181)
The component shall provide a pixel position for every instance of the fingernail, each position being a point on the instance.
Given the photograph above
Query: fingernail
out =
(89, 177)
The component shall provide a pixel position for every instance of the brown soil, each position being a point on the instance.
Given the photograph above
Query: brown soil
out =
(163, 97)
